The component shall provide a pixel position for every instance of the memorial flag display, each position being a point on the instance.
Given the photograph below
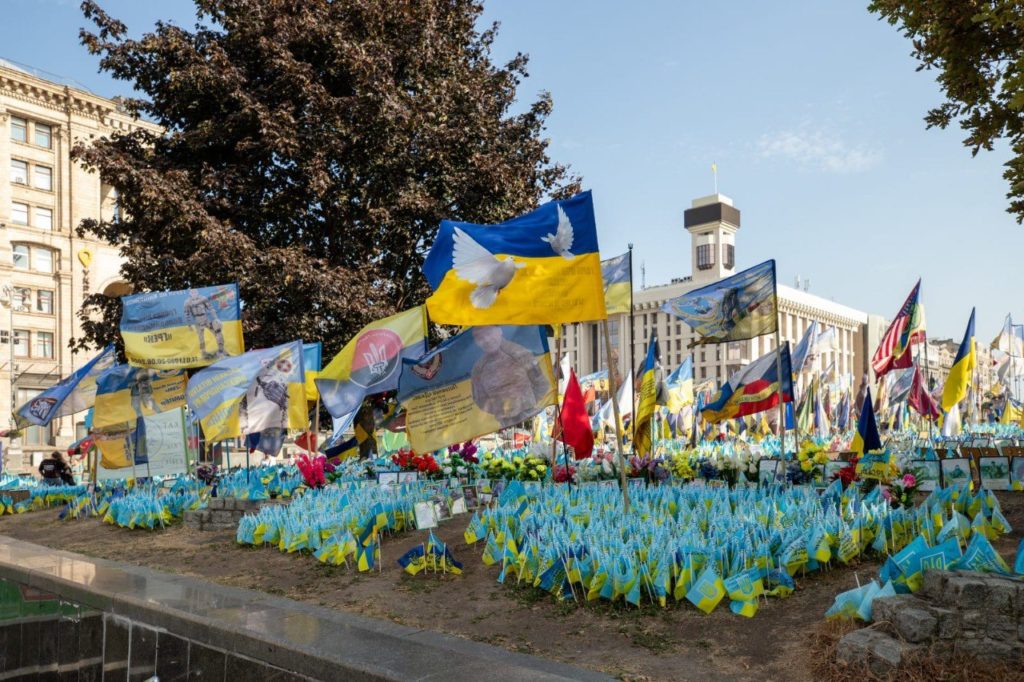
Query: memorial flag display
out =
(484, 379)
(539, 268)
(74, 393)
(618, 283)
(732, 309)
(372, 361)
(962, 372)
(270, 379)
(906, 329)
(125, 393)
(754, 388)
(182, 329)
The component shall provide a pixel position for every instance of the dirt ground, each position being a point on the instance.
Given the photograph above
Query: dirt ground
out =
(677, 643)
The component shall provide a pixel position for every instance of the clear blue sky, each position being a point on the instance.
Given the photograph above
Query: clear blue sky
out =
(813, 112)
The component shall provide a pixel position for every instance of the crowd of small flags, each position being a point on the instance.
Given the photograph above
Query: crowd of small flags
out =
(432, 555)
(342, 524)
(956, 534)
(697, 543)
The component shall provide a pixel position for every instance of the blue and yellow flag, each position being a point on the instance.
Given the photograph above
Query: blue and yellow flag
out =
(680, 386)
(117, 448)
(312, 359)
(482, 380)
(866, 439)
(754, 388)
(273, 375)
(732, 309)
(372, 361)
(647, 400)
(181, 329)
(962, 372)
(617, 274)
(73, 393)
(540, 268)
(125, 393)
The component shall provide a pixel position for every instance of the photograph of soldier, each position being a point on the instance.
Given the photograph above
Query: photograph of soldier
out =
(201, 315)
(507, 380)
(142, 392)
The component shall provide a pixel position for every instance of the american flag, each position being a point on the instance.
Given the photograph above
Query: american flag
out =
(907, 329)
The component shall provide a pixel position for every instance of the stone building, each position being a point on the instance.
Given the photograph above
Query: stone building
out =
(714, 223)
(45, 269)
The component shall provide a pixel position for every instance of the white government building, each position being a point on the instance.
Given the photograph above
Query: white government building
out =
(46, 270)
(713, 223)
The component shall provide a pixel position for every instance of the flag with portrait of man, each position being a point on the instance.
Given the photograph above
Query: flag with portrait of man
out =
(736, 308)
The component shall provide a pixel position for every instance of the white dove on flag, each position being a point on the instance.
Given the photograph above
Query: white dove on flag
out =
(478, 266)
(561, 240)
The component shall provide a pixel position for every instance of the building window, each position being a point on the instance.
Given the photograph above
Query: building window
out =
(19, 129)
(19, 213)
(729, 256)
(42, 218)
(20, 257)
(22, 299)
(33, 435)
(42, 259)
(44, 302)
(19, 172)
(43, 135)
(21, 343)
(42, 346)
(42, 177)
(705, 257)
(703, 356)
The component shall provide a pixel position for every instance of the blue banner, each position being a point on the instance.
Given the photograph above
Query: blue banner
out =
(74, 393)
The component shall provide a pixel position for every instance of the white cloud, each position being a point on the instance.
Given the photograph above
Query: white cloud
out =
(818, 150)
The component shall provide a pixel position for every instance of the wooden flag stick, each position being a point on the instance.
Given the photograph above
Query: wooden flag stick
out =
(614, 397)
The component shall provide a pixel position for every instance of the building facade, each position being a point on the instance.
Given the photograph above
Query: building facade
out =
(714, 223)
(46, 270)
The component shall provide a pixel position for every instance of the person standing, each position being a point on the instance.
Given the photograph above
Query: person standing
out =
(54, 469)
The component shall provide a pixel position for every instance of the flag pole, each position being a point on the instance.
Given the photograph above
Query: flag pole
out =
(632, 352)
(558, 363)
(928, 380)
(619, 459)
(693, 409)
(782, 406)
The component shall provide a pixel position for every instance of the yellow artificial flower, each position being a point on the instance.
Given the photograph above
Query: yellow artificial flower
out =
(807, 465)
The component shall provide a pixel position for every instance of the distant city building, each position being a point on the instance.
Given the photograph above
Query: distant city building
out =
(45, 269)
(713, 223)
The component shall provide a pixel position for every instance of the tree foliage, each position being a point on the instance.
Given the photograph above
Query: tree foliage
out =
(310, 149)
(978, 48)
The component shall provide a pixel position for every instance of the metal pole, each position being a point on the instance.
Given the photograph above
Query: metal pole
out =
(620, 459)
(782, 406)
(928, 380)
(632, 352)
(693, 409)
(558, 363)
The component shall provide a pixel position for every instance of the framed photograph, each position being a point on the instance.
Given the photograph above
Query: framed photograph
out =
(1017, 472)
(442, 507)
(408, 476)
(388, 478)
(768, 471)
(928, 473)
(483, 485)
(470, 497)
(426, 515)
(458, 506)
(956, 470)
(832, 468)
(994, 472)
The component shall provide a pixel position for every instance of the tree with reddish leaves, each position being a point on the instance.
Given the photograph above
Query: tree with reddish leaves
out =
(311, 148)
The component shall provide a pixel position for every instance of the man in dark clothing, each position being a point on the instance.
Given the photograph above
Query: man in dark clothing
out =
(54, 469)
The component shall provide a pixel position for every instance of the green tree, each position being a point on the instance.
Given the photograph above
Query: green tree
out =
(978, 48)
(311, 148)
